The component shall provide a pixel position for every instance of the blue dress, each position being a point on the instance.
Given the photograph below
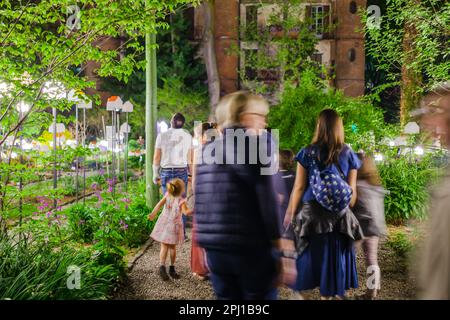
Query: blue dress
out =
(329, 260)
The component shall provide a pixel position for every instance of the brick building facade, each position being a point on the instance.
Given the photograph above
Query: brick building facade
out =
(341, 49)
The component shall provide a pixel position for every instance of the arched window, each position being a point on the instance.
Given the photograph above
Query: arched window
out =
(352, 55)
(353, 7)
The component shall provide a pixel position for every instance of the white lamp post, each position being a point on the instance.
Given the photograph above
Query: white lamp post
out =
(125, 128)
(84, 105)
(54, 90)
(114, 104)
(22, 108)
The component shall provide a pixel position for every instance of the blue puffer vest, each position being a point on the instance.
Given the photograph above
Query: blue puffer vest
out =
(235, 206)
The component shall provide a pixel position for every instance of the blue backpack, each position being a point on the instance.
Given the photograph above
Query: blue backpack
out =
(330, 190)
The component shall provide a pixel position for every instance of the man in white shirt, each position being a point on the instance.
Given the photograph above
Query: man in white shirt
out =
(173, 155)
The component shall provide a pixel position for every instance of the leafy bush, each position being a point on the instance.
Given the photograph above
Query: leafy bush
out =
(35, 270)
(136, 162)
(138, 227)
(407, 182)
(107, 238)
(81, 222)
(296, 115)
(400, 243)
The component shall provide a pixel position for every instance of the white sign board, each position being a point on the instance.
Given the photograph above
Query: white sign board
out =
(114, 103)
(125, 128)
(127, 107)
(411, 128)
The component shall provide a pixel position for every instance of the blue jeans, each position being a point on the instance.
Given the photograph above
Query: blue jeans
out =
(243, 276)
(168, 174)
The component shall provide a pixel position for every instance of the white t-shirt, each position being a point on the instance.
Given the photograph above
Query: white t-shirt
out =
(175, 145)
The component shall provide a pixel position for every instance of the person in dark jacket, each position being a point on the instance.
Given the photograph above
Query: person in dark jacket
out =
(285, 182)
(236, 210)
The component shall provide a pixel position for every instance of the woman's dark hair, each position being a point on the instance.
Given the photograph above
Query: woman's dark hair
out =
(177, 121)
(208, 126)
(329, 136)
(286, 159)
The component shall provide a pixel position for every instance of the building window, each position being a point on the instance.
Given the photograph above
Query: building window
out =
(317, 57)
(320, 16)
(352, 55)
(353, 7)
(317, 18)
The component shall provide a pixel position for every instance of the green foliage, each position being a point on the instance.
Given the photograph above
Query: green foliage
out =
(175, 97)
(296, 115)
(181, 79)
(38, 271)
(400, 243)
(136, 162)
(429, 21)
(285, 47)
(407, 180)
(80, 220)
(138, 226)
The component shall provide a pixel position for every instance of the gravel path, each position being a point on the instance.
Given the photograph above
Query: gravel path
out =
(144, 283)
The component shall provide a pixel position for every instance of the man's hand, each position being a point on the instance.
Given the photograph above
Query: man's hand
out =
(156, 180)
(288, 271)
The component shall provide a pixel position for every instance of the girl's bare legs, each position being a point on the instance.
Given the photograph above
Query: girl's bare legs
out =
(370, 247)
(173, 256)
(163, 254)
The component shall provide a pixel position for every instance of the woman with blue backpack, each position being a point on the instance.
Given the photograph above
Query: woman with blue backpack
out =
(319, 218)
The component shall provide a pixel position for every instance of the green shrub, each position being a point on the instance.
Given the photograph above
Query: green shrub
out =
(138, 227)
(296, 115)
(136, 162)
(407, 182)
(108, 238)
(81, 222)
(38, 271)
(400, 243)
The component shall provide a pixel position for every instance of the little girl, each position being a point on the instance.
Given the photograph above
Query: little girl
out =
(168, 229)
(369, 210)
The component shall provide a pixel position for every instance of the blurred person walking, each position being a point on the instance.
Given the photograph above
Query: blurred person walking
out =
(434, 259)
(236, 210)
(205, 133)
(369, 210)
(286, 181)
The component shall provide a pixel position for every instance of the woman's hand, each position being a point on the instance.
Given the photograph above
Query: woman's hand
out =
(287, 218)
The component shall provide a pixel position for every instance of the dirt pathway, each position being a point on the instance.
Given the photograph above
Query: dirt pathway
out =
(143, 281)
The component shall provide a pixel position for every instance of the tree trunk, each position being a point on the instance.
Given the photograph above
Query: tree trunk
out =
(411, 77)
(209, 56)
(151, 192)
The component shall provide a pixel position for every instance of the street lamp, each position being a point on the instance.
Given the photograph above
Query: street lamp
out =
(54, 90)
(55, 128)
(114, 104)
(83, 105)
(125, 128)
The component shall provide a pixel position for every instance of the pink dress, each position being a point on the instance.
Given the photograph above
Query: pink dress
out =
(169, 227)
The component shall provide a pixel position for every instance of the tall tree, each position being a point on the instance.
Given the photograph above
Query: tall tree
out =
(209, 54)
(411, 46)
